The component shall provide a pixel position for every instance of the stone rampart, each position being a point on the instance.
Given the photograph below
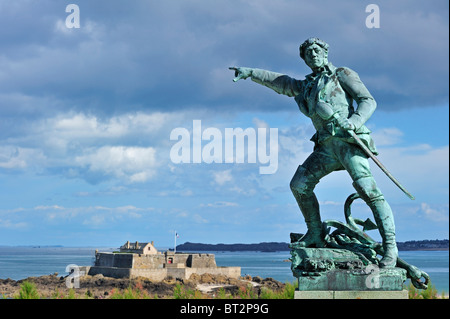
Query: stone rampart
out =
(114, 260)
(159, 266)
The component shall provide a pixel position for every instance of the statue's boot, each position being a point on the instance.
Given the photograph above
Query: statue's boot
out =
(385, 222)
(384, 218)
(309, 207)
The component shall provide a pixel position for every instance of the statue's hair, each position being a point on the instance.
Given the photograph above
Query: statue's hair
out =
(312, 41)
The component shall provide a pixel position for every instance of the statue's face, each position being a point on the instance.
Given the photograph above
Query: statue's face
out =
(315, 56)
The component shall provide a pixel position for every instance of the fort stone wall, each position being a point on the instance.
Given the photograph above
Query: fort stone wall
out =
(114, 260)
(159, 266)
(148, 261)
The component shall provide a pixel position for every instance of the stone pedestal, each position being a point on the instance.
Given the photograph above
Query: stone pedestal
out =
(330, 294)
(367, 279)
(341, 274)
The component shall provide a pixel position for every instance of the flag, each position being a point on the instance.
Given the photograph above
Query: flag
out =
(176, 234)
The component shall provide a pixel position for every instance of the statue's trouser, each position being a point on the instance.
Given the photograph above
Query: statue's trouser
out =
(336, 155)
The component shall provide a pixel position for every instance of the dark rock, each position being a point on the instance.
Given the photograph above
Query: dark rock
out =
(257, 279)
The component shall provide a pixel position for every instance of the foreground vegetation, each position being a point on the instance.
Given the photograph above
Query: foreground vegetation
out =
(429, 293)
(28, 290)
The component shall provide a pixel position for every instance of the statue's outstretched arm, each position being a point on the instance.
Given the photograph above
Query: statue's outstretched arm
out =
(278, 82)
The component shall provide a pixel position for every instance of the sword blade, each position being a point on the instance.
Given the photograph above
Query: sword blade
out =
(381, 166)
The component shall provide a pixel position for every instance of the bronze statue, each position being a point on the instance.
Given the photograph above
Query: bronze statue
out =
(342, 141)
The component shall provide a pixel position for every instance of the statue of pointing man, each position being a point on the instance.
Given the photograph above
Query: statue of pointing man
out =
(335, 149)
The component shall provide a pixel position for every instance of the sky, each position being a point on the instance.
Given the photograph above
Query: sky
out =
(87, 114)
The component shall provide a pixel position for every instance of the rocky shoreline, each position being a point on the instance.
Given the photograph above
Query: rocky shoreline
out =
(101, 287)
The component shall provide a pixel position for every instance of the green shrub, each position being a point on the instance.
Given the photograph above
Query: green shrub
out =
(28, 291)
(222, 294)
(429, 293)
(286, 293)
(137, 292)
(181, 292)
(247, 293)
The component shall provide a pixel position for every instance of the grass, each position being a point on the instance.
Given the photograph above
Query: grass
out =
(60, 295)
(265, 293)
(286, 293)
(429, 293)
(28, 290)
(136, 292)
(182, 292)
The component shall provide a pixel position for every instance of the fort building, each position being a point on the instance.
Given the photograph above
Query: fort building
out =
(144, 260)
(139, 248)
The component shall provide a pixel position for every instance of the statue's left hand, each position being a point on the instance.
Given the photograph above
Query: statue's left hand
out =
(241, 73)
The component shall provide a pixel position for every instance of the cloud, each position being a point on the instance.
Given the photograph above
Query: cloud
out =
(12, 157)
(219, 205)
(166, 56)
(259, 123)
(134, 164)
(80, 127)
(8, 224)
(48, 215)
(222, 177)
(387, 136)
(421, 168)
(91, 109)
(95, 221)
(199, 219)
(86, 146)
(52, 207)
(435, 214)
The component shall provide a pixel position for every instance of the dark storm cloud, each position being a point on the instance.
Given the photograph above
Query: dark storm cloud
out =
(173, 55)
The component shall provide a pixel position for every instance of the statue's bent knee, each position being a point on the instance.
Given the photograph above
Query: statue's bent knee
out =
(300, 184)
(367, 189)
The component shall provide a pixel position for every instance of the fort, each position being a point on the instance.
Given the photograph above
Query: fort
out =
(144, 260)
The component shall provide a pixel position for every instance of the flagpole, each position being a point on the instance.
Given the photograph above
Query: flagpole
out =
(175, 247)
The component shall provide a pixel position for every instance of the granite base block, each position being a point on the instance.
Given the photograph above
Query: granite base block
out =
(330, 294)
(390, 279)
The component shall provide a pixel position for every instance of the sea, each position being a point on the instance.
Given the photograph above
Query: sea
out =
(22, 262)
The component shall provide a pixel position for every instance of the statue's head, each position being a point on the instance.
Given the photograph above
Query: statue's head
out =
(314, 52)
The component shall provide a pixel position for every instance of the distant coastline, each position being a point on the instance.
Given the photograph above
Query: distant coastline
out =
(281, 246)
(436, 244)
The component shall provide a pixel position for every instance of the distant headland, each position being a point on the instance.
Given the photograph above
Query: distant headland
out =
(437, 244)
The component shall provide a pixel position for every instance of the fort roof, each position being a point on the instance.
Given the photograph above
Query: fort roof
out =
(139, 248)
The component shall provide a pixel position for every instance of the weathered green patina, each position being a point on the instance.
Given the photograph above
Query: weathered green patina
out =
(350, 259)
(342, 142)
(335, 269)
